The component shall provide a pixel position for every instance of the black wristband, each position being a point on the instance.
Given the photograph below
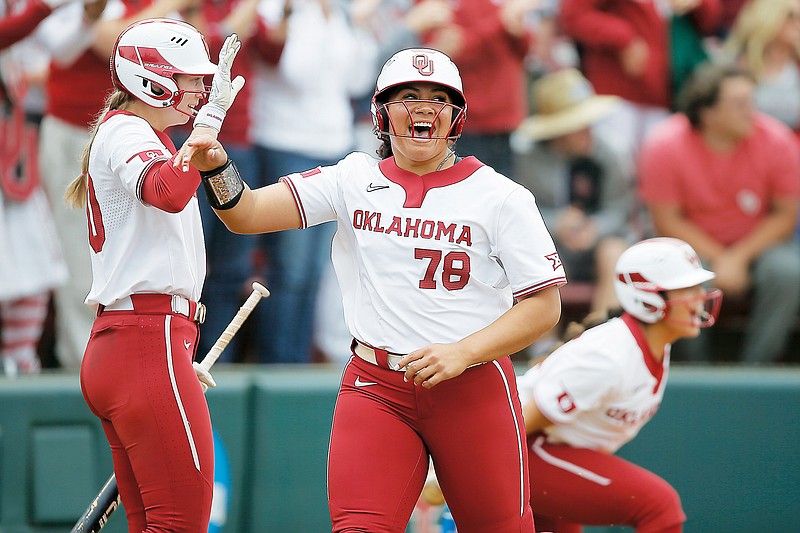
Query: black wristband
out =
(223, 185)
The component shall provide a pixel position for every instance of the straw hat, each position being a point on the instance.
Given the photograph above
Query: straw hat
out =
(565, 102)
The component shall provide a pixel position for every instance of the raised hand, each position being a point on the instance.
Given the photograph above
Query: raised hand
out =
(223, 89)
(203, 151)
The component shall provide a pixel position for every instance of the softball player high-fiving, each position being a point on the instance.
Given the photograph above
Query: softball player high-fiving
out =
(431, 252)
(148, 266)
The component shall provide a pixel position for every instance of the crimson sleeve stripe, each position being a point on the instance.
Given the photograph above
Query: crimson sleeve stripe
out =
(293, 189)
(168, 189)
(555, 282)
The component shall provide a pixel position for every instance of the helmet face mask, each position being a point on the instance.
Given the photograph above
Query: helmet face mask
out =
(647, 270)
(418, 65)
(149, 55)
(407, 107)
(708, 304)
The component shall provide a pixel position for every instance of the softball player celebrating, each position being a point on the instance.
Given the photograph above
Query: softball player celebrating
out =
(594, 394)
(148, 266)
(431, 251)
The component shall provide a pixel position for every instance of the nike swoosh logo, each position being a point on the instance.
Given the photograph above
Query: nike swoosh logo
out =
(359, 383)
(186, 344)
(372, 188)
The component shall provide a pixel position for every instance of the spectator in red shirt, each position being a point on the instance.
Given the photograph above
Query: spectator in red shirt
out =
(726, 179)
(625, 51)
(489, 42)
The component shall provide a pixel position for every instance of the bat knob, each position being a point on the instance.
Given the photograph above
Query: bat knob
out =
(259, 288)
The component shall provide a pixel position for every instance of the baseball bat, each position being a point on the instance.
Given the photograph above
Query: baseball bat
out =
(100, 510)
(107, 500)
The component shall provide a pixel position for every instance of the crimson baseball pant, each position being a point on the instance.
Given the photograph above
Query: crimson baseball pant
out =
(384, 429)
(137, 377)
(571, 487)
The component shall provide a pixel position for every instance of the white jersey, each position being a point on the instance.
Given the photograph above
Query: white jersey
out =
(599, 389)
(424, 259)
(137, 247)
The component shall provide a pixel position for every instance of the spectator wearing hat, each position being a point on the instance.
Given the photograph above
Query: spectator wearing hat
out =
(580, 187)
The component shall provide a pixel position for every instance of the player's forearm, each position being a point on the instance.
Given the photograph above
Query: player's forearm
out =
(516, 329)
(264, 210)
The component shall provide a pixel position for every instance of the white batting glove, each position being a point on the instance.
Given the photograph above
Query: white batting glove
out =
(223, 90)
(206, 380)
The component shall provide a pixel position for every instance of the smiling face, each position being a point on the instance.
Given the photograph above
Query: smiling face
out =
(193, 95)
(420, 118)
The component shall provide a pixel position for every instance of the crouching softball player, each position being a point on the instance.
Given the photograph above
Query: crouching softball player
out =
(431, 251)
(148, 266)
(594, 394)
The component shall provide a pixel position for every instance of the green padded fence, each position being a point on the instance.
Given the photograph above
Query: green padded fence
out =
(726, 438)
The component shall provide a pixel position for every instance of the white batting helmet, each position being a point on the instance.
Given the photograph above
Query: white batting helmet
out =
(415, 65)
(149, 53)
(655, 265)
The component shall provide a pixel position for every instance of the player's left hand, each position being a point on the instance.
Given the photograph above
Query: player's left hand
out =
(223, 89)
(206, 380)
(433, 364)
(203, 151)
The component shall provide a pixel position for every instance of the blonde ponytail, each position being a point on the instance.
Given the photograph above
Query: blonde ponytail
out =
(75, 195)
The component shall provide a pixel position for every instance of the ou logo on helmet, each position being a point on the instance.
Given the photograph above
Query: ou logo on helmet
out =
(423, 64)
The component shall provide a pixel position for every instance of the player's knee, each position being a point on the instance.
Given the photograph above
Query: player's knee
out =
(662, 510)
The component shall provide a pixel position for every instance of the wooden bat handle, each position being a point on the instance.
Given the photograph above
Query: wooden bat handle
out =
(259, 291)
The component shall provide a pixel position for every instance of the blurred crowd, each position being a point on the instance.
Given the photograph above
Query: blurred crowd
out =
(626, 119)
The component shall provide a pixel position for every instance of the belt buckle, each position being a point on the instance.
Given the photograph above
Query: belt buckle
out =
(200, 313)
(180, 305)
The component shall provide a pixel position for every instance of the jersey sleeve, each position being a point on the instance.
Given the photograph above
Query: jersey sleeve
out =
(317, 192)
(525, 247)
(131, 159)
(574, 378)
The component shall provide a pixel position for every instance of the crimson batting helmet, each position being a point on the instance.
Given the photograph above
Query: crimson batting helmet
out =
(415, 65)
(647, 269)
(149, 53)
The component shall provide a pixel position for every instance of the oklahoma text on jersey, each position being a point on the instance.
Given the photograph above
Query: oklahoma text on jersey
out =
(413, 227)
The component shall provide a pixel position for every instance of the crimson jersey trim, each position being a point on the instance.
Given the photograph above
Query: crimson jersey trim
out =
(417, 187)
(527, 291)
(298, 203)
(656, 368)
